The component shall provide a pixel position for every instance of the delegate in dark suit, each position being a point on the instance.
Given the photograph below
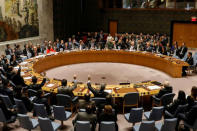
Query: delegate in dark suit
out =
(190, 61)
(66, 90)
(167, 89)
(36, 86)
(98, 93)
(183, 51)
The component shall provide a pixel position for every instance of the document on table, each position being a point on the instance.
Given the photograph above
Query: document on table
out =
(50, 85)
(22, 73)
(27, 78)
(154, 87)
(108, 91)
(23, 63)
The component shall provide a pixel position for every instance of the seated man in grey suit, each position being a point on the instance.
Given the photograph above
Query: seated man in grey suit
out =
(98, 93)
(66, 90)
(87, 116)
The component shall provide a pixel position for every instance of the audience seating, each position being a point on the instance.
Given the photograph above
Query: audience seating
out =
(107, 126)
(4, 120)
(61, 114)
(47, 125)
(40, 110)
(155, 114)
(168, 125)
(66, 101)
(7, 101)
(134, 116)
(130, 99)
(145, 126)
(31, 93)
(26, 122)
(20, 107)
(164, 100)
(82, 126)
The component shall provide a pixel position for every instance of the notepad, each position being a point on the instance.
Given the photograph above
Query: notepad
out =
(23, 63)
(108, 91)
(50, 85)
(153, 87)
(22, 73)
(27, 78)
(24, 68)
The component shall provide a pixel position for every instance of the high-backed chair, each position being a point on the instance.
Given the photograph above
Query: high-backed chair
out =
(61, 114)
(155, 114)
(130, 99)
(4, 120)
(99, 101)
(107, 126)
(168, 125)
(194, 126)
(26, 122)
(164, 100)
(31, 93)
(7, 101)
(40, 110)
(82, 126)
(66, 101)
(20, 107)
(47, 125)
(134, 116)
(145, 126)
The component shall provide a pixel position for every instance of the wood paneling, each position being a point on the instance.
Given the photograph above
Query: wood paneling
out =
(113, 27)
(185, 32)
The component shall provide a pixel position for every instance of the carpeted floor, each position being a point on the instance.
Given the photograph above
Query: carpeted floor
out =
(113, 73)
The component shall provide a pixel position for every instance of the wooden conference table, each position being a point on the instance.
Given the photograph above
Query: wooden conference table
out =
(35, 66)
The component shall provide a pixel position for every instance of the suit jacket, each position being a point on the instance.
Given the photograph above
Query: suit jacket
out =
(167, 89)
(66, 90)
(107, 117)
(183, 50)
(173, 107)
(84, 116)
(191, 115)
(37, 86)
(82, 103)
(190, 60)
(97, 93)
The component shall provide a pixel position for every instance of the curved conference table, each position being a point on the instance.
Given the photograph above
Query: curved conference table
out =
(35, 66)
(169, 65)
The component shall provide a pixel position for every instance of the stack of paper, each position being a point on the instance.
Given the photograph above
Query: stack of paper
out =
(50, 85)
(27, 78)
(153, 87)
(108, 91)
(23, 63)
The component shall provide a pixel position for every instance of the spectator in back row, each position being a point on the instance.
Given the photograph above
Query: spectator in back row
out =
(88, 115)
(108, 115)
(181, 100)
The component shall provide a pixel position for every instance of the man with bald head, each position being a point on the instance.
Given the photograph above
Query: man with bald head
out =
(167, 89)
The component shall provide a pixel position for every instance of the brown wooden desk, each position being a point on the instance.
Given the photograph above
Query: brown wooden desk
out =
(169, 65)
